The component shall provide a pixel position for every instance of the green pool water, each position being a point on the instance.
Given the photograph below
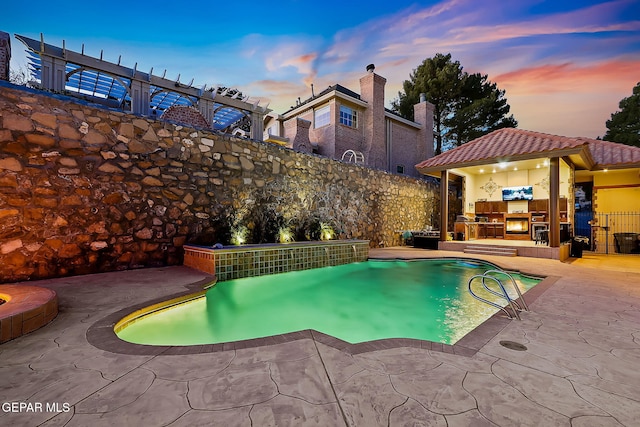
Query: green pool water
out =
(423, 299)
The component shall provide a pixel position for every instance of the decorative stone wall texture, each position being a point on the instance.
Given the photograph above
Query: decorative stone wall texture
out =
(86, 190)
(185, 115)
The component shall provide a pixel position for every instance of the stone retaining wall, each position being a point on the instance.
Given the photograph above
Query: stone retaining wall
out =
(85, 190)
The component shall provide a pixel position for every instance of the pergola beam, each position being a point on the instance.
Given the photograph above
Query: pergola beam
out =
(54, 59)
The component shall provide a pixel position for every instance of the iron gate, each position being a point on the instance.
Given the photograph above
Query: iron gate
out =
(610, 233)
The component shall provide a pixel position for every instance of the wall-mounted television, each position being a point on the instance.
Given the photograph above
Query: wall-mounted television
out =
(523, 192)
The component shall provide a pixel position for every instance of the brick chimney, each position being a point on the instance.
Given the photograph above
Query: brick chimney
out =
(297, 130)
(423, 114)
(5, 55)
(372, 92)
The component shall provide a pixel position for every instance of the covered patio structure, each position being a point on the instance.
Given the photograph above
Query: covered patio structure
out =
(548, 165)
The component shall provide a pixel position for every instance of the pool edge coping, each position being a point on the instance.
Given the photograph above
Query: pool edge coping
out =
(102, 335)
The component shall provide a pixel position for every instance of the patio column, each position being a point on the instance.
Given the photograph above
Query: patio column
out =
(444, 204)
(140, 97)
(554, 202)
(206, 107)
(53, 73)
(257, 125)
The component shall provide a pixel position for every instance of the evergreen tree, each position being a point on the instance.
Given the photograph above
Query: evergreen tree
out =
(466, 106)
(480, 109)
(624, 126)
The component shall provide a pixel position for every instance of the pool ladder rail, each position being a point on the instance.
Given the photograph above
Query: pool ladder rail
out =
(513, 304)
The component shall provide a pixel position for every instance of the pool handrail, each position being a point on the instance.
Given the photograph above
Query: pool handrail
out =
(515, 285)
(505, 295)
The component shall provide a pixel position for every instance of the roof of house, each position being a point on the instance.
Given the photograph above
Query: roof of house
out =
(511, 144)
(339, 88)
(394, 113)
(612, 154)
(336, 87)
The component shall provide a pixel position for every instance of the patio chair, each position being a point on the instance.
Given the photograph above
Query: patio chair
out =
(542, 236)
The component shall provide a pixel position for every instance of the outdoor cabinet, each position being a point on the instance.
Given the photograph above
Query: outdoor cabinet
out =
(473, 231)
(499, 207)
(466, 230)
(491, 230)
(483, 208)
(540, 206)
(563, 206)
(487, 208)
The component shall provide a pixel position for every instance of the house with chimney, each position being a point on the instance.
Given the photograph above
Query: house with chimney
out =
(342, 124)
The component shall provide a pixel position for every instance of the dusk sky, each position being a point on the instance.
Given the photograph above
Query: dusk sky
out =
(565, 65)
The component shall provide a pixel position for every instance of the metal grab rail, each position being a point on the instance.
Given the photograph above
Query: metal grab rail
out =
(513, 281)
(501, 295)
(504, 295)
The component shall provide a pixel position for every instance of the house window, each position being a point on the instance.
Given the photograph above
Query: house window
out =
(322, 116)
(400, 169)
(348, 116)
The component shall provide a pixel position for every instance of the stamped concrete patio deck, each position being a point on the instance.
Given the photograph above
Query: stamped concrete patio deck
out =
(581, 368)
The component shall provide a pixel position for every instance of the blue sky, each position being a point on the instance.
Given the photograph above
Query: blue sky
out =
(564, 64)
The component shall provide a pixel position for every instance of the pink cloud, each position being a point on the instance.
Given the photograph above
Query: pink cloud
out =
(568, 98)
(551, 71)
(481, 34)
(570, 77)
(303, 62)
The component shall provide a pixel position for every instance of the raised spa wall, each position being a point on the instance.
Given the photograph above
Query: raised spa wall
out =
(234, 262)
(26, 309)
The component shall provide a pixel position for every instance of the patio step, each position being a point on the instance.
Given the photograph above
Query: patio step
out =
(490, 250)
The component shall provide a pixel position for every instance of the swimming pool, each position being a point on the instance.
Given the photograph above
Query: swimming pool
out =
(376, 299)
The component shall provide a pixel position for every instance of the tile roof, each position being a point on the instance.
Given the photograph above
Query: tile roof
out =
(612, 154)
(512, 144)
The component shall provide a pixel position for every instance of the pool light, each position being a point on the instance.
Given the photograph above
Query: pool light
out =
(285, 235)
(239, 235)
(326, 231)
